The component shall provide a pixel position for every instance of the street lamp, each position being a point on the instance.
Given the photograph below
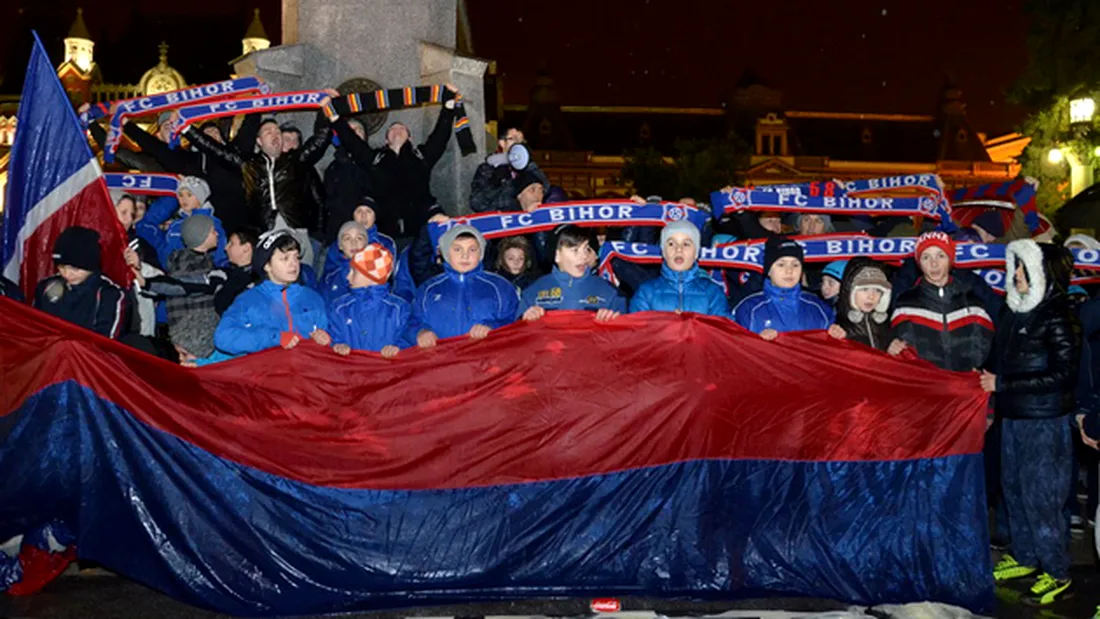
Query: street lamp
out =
(1081, 110)
(1055, 155)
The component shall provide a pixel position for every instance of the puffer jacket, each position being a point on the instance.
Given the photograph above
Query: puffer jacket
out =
(947, 326)
(451, 303)
(872, 329)
(369, 319)
(687, 291)
(258, 317)
(273, 187)
(493, 188)
(783, 309)
(334, 276)
(1038, 342)
(560, 290)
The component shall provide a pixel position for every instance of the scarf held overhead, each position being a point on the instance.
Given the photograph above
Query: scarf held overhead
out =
(739, 199)
(280, 102)
(407, 97)
(154, 104)
(582, 213)
(144, 184)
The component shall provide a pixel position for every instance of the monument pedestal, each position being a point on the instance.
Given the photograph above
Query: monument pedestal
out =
(393, 43)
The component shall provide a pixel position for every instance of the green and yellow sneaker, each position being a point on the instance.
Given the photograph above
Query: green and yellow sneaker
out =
(1048, 590)
(1008, 569)
(1097, 615)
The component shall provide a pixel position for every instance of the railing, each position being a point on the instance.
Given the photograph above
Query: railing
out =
(114, 92)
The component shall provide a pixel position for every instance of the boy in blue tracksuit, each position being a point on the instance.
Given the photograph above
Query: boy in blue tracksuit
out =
(352, 237)
(192, 198)
(277, 312)
(368, 316)
(464, 299)
(682, 286)
(783, 305)
(572, 285)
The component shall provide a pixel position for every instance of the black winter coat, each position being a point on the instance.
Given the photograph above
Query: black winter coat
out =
(346, 183)
(97, 304)
(401, 180)
(272, 187)
(226, 187)
(947, 326)
(1037, 351)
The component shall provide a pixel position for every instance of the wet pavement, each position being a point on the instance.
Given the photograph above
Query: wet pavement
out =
(96, 594)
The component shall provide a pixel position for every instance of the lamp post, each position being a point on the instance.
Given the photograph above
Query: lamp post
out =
(1081, 110)
(1081, 113)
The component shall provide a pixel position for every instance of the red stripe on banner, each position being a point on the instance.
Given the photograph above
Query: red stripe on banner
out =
(90, 208)
(559, 398)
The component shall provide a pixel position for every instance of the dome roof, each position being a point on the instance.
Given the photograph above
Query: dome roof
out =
(161, 78)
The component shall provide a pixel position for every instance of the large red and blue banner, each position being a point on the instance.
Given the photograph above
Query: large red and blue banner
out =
(655, 455)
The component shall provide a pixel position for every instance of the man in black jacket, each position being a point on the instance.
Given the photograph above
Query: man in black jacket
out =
(345, 185)
(274, 181)
(401, 171)
(1034, 370)
(493, 187)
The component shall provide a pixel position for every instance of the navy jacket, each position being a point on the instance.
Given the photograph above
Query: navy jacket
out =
(97, 304)
(560, 290)
(334, 276)
(258, 318)
(369, 319)
(450, 304)
(783, 309)
(687, 291)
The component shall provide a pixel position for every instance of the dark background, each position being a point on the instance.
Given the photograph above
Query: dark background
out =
(851, 55)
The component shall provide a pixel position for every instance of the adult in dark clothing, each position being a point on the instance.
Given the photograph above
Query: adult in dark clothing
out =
(401, 171)
(1032, 373)
(80, 293)
(1087, 396)
(313, 196)
(493, 187)
(861, 306)
(131, 159)
(941, 318)
(274, 181)
(345, 185)
(226, 185)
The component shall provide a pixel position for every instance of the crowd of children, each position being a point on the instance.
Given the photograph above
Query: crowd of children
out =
(202, 296)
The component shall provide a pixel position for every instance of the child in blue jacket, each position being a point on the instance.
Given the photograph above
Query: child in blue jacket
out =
(277, 312)
(192, 198)
(572, 285)
(682, 286)
(783, 305)
(464, 299)
(353, 236)
(368, 316)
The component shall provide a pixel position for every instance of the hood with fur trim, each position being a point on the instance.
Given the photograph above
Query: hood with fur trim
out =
(1047, 267)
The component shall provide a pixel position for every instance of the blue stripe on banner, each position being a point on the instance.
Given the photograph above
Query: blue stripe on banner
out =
(218, 534)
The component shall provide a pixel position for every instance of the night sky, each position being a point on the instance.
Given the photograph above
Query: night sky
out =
(870, 56)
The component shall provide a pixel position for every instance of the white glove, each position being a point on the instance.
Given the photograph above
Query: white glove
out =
(497, 159)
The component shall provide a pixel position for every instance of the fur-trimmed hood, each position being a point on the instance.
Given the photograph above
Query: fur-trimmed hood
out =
(1048, 268)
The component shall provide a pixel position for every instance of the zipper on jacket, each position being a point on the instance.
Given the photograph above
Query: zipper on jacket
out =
(271, 181)
(680, 284)
(870, 330)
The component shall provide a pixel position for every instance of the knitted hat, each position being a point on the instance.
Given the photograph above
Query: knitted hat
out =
(77, 247)
(164, 117)
(936, 239)
(990, 221)
(193, 330)
(1082, 239)
(827, 219)
(835, 270)
(453, 233)
(524, 180)
(1077, 291)
(265, 248)
(780, 247)
(196, 186)
(681, 227)
(873, 277)
(351, 225)
(375, 262)
(195, 229)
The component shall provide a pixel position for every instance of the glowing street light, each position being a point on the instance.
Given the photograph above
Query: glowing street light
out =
(1055, 155)
(1081, 110)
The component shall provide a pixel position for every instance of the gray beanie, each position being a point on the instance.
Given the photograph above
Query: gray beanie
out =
(827, 219)
(681, 227)
(196, 186)
(195, 229)
(349, 225)
(450, 235)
